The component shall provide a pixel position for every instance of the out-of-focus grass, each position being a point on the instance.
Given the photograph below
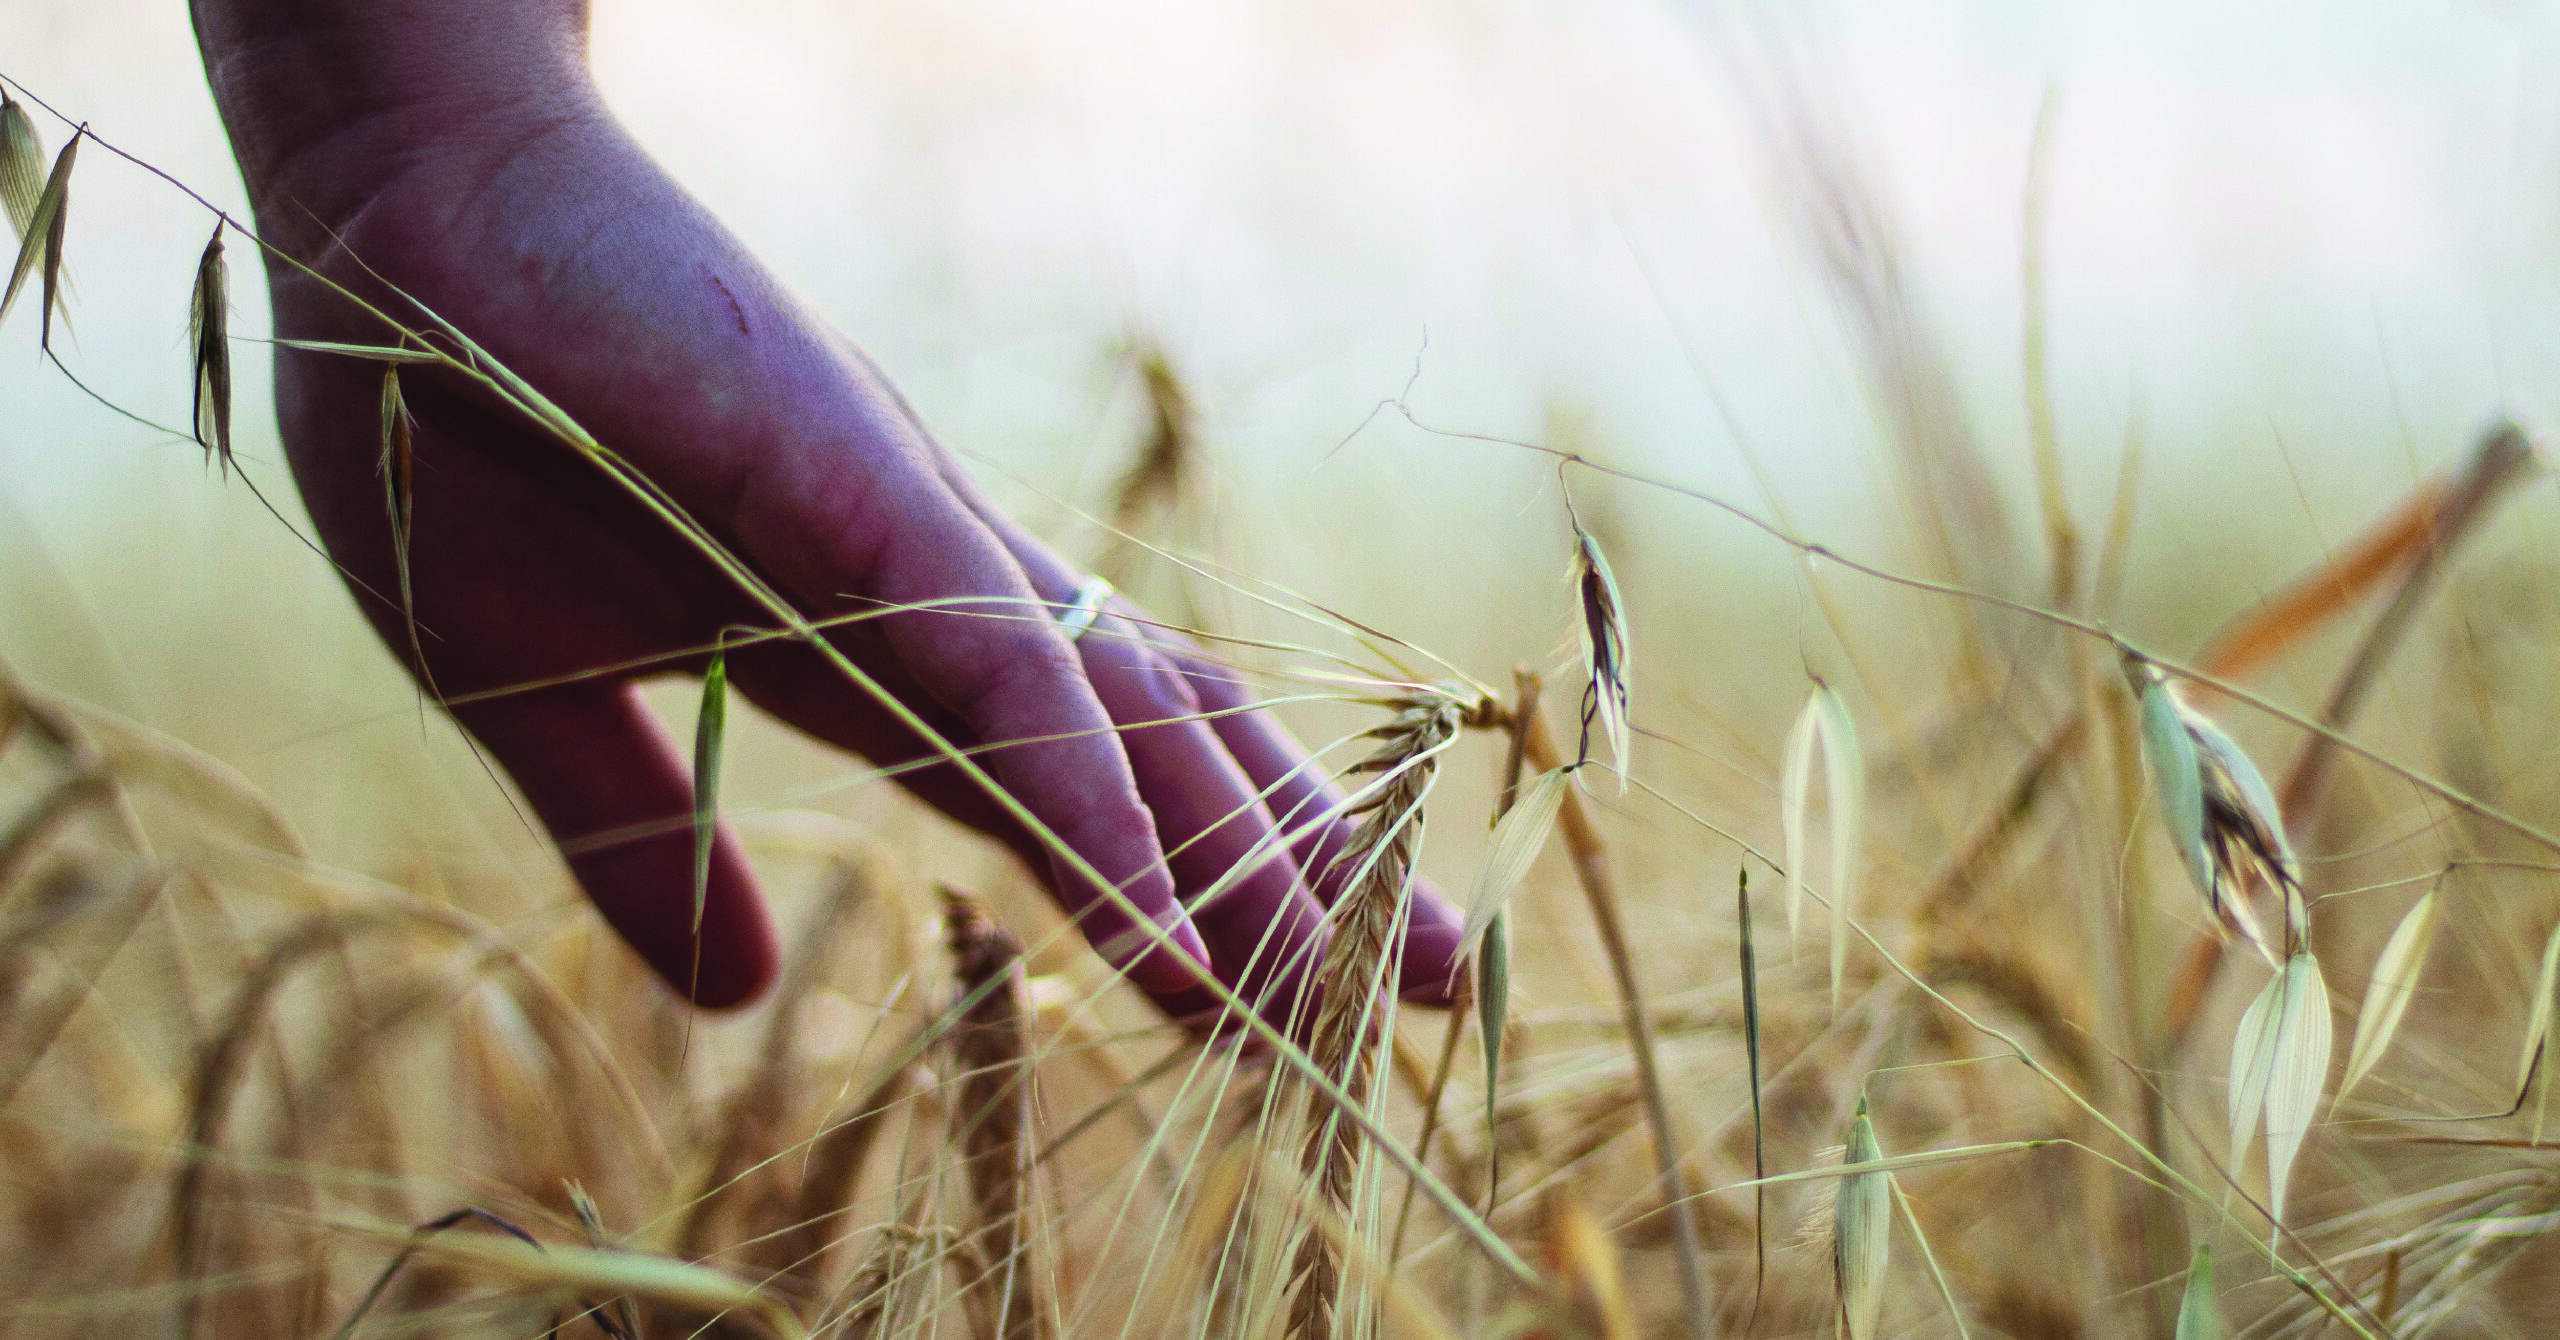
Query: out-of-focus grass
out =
(281, 992)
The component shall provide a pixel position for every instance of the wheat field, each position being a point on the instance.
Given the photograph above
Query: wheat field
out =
(2161, 915)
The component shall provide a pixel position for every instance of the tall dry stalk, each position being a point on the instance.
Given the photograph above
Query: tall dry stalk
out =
(1600, 889)
(993, 1111)
(1355, 964)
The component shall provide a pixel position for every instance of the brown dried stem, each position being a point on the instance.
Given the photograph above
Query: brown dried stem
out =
(1599, 888)
(990, 1049)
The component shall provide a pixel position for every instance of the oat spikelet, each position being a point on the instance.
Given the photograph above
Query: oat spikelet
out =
(398, 468)
(710, 731)
(209, 335)
(21, 165)
(40, 241)
(2199, 1317)
(1604, 652)
(993, 1111)
(1380, 857)
(2221, 815)
(1861, 1233)
(2279, 1060)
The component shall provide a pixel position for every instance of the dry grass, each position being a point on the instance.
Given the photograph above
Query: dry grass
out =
(244, 1093)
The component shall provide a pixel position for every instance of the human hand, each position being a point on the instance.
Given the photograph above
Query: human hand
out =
(455, 154)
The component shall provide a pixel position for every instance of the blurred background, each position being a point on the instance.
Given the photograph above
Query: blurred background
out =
(2301, 252)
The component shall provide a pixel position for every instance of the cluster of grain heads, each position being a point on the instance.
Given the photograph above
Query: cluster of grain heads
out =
(2230, 836)
(37, 215)
(209, 338)
(1604, 652)
(1824, 722)
(1379, 862)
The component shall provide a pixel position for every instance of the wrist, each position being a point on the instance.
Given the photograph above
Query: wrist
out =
(324, 102)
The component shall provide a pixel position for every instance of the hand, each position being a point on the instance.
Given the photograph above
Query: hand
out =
(455, 152)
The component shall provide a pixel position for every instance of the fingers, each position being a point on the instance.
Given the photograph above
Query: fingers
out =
(1237, 776)
(968, 631)
(1309, 807)
(608, 784)
(1265, 930)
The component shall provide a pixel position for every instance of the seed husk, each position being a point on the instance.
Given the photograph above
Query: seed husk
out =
(1862, 1233)
(21, 165)
(1825, 721)
(1751, 1052)
(1604, 653)
(2544, 1003)
(710, 731)
(1493, 1014)
(2199, 1317)
(2394, 984)
(2221, 815)
(41, 240)
(2278, 1063)
(209, 334)
(1517, 840)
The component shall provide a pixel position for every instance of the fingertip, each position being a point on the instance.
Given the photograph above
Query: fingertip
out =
(618, 802)
(1167, 959)
(645, 891)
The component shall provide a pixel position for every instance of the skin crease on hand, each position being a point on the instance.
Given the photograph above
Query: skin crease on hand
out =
(458, 152)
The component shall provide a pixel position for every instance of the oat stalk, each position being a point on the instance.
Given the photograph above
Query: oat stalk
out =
(1600, 891)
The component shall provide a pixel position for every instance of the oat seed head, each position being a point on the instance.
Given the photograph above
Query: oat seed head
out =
(209, 336)
(1604, 653)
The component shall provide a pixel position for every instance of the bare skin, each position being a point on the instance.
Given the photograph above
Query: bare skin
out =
(456, 151)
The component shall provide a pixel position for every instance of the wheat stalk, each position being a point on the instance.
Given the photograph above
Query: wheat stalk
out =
(1366, 923)
(993, 1111)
